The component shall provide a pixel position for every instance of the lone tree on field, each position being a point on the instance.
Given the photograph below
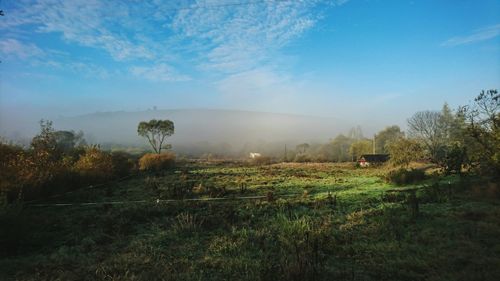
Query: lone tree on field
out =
(156, 131)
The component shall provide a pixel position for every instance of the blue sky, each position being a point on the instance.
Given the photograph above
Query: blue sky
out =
(368, 61)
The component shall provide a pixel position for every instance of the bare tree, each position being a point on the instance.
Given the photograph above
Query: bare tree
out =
(426, 126)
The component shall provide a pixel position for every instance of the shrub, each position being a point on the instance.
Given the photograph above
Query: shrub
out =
(403, 176)
(403, 151)
(25, 175)
(9, 167)
(157, 162)
(301, 158)
(94, 165)
(455, 159)
(123, 163)
(44, 169)
(262, 160)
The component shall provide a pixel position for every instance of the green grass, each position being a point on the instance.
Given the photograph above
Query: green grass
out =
(364, 235)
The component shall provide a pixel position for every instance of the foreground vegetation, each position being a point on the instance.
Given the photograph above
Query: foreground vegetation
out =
(72, 211)
(312, 222)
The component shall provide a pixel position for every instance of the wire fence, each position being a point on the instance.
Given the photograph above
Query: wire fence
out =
(159, 201)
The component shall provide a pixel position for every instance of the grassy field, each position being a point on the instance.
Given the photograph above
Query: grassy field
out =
(301, 222)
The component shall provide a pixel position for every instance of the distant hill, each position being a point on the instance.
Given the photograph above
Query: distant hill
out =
(204, 125)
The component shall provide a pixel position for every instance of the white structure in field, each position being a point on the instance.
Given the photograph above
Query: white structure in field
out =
(254, 155)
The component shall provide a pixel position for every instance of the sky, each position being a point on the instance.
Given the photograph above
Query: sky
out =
(372, 62)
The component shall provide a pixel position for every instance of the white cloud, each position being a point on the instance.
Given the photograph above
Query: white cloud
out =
(478, 35)
(239, 38)
(160, 72)
(224, 36)
(91, 23)
(16, 49)
(13, 49)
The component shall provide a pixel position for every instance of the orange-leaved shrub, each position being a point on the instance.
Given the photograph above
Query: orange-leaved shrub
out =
(29, 174)
(95, 165)
(54, 163)
(157, 162)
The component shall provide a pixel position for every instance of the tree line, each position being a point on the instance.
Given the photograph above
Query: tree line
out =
(466, 138)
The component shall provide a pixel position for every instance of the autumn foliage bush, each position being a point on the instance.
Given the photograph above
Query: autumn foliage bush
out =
(31, 174)
(50, 166)
(157, 162)
(95, 165)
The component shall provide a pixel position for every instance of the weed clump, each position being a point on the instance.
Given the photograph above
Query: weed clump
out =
(403, 176)
(300, 245)
(168, 189)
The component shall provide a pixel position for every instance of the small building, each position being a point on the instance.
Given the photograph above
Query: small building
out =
(367, 160)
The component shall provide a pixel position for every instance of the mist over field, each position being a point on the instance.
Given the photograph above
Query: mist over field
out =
(201, 125)
(197, 127)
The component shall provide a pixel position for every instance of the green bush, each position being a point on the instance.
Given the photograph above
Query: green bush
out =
(455, 159)
(157, 162)
(403, 176)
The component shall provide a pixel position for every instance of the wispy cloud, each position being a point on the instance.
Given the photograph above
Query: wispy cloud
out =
(88, 23)
(240, 38)
(159, 72)
(16, 49)
(478, 35)
(224, 36)
(13, 49)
